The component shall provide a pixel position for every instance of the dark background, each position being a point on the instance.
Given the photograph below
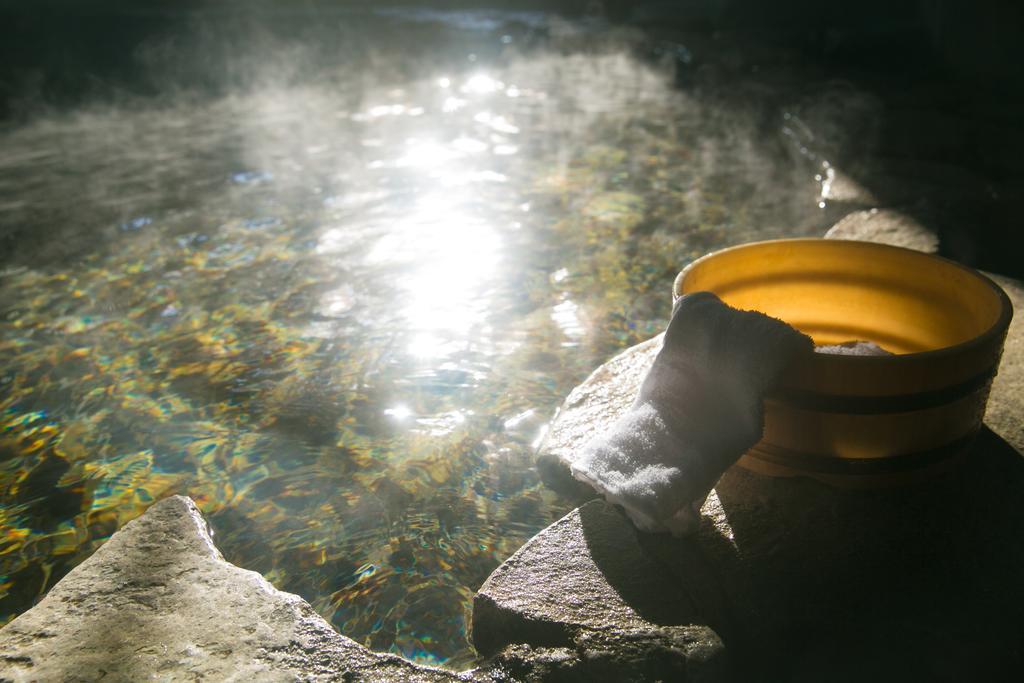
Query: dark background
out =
(950, 74)
(63, 49)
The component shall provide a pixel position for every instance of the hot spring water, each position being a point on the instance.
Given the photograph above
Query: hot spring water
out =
(337, 304)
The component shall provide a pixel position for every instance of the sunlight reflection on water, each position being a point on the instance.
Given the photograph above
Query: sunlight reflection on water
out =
(338, 310)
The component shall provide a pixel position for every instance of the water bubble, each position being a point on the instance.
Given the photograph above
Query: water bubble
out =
(251, 177)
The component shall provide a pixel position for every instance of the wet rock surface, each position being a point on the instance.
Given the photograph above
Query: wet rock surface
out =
(621, 654)
(1005, 414)
(586, 583)
(886, 226)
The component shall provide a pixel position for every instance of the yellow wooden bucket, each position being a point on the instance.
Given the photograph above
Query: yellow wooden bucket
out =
(866, 420)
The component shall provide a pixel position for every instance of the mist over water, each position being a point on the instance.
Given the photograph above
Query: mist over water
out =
(333, 282)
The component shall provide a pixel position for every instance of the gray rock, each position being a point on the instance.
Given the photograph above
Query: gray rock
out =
(597, 578)
(886, 226)
(619, 655)
(1005, 412)
(585, 585)
(158, 601)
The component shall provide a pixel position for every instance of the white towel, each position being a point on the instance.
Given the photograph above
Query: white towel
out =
(854, 348)
(698, 410)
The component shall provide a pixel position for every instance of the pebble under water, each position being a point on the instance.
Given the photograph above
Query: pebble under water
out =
(337, 304)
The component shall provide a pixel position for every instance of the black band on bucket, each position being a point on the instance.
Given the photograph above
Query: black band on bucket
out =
(880, 405)
(824, 463)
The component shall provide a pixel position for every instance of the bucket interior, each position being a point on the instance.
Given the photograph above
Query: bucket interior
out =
(839, 291)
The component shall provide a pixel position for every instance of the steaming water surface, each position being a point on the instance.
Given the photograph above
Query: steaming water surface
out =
(337, 308)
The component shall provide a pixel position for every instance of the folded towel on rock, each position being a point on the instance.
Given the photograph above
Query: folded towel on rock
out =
(698, 410)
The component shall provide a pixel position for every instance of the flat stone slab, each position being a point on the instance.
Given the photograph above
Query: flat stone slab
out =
(582, 591)
(599, 586)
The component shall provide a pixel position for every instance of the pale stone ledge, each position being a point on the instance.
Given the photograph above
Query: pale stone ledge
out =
(159, 602)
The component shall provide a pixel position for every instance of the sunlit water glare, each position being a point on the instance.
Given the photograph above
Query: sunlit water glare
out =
(338, 309)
